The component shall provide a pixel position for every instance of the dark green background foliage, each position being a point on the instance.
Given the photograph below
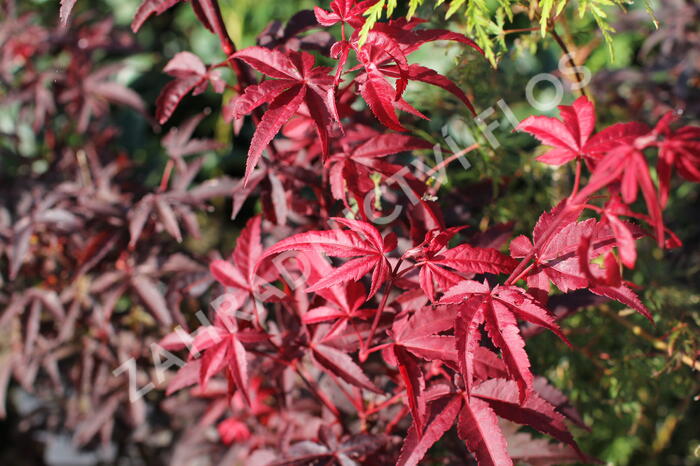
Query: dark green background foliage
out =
(632, 382)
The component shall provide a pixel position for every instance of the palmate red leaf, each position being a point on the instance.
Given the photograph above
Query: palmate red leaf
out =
(497, 309)
(351, 170)
(431, 275)
(343, 11)
(557, 260)
(392, 42)
(221, 349)
(679, 149)
(228, 354)
(567, 137)
(435, 261)
(191, 75)
(369, 245)
(297, 81)
(502, 329)
(149, 8)
(464, 259)
(627, 165)
(343, 300)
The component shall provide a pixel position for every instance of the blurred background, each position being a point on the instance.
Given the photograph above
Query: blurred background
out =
(637, 385)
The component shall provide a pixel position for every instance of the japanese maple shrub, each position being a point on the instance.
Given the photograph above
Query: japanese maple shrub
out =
(346, 335)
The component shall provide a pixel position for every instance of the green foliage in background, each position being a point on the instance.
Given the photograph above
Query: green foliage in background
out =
(488, 20)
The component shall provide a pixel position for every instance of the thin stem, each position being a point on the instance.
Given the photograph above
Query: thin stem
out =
(379, 347)
(400, 415)
(577, 180)
(384, 404)
(257, 321)
(449, 160)
(318, 394)
(166, 176)
(406, 270)
(593, 208)
(515, 31)
(569, 56)
(655, 342)
(523, 273)
(380, 310)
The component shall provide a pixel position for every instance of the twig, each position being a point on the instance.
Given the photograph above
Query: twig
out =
(655, 342)
(569, 56)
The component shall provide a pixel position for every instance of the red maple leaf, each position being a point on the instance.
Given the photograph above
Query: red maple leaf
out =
(296, 81)
(569, 136)
(221, 345)
(149, 8)
(352, 168)
(363, 240)
(679, 149)
(393, 42)
(447, 267)
(342, 301)
(477, 422)
(191, 75)
(343, 11)
(557, 259)
(498, 309)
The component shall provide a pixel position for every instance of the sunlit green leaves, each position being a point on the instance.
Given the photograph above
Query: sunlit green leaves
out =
(487, 20)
